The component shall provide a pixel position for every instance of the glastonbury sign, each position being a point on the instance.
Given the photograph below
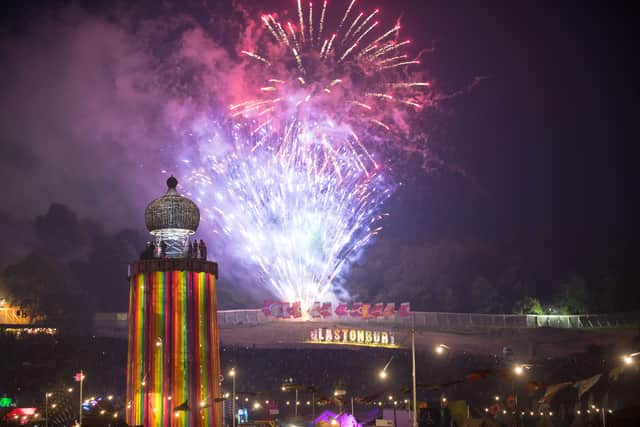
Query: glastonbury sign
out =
(352, 336)
(342, 311)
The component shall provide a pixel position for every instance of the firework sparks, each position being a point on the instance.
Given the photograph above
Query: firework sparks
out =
(300, 192)
(366, 59)
(296, 213)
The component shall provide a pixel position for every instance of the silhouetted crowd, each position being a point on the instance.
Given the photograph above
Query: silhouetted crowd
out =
(195, 250)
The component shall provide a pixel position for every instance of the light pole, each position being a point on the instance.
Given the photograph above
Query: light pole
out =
(80, 409)
(46, 408)
(288, 386)
(518, 370)
(232, 374)
(413, 373)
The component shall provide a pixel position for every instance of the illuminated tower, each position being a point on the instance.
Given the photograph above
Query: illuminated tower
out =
(173, 365)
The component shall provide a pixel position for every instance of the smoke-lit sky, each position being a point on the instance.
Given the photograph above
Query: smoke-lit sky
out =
(94, 101)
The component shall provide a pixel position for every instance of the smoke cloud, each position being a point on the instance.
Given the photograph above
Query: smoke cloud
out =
(95, 107)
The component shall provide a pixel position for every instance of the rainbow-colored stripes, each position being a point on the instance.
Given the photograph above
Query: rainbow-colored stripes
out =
(174, 352)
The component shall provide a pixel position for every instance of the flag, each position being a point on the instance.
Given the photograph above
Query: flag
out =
(495, 409)
(184, 406)
(323, 401)
(459, 411)
(474, 376)
(552, 390)
(370, 398)
(296, 310)
(511, 401)
(405, 309)
(432, 387)
(585, 385)
(342, 310)
(533, 386)
(615, 373)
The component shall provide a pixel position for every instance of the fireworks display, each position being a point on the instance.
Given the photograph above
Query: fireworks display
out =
(290, 212)
(299, 190)
(353, 79)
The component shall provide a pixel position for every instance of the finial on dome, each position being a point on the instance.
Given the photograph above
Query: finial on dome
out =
(172, 182)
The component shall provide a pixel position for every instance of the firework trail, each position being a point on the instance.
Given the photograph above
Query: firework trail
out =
(288, 210)
(357, 77)
(300, 191)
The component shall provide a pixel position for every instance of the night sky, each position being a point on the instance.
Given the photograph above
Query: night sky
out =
(534, 171)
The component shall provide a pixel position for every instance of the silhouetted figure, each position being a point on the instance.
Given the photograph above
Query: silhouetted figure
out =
(189, 250)
(203, 250)
(148, 252)
(195, 249)
(152, 248)
(163, 249)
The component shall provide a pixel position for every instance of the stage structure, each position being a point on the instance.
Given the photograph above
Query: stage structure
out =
(173, 366)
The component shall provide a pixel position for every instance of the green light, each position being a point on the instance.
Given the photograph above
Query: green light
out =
(6, 402)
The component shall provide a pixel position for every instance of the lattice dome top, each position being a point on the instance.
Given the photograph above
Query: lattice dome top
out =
(172, 212)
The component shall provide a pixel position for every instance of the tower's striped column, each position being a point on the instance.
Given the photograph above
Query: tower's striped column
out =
(173, 365)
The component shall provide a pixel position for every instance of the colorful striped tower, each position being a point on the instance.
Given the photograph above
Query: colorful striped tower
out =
(173, 368)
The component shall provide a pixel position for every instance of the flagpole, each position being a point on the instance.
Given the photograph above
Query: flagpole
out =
(233, 396)
(81, 381)
(413, 372)
(46, 409)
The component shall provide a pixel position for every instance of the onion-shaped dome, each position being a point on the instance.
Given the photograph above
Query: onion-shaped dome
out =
(172, 212)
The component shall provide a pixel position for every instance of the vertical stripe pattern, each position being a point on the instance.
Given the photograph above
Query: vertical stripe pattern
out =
(173, 350)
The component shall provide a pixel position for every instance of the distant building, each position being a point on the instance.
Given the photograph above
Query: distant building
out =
(12, 315)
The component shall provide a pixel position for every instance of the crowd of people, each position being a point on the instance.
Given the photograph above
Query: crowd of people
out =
(194, 250)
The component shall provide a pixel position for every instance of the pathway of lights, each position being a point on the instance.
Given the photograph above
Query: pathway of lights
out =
(257, 405)
(518, 369)
(87, 405)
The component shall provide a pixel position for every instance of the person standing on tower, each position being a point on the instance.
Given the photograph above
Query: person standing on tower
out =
(195, 249)
(147, 253)
(204, 254)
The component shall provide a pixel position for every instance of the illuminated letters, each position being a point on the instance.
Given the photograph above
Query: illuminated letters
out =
(384, 338)
(347, 336)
